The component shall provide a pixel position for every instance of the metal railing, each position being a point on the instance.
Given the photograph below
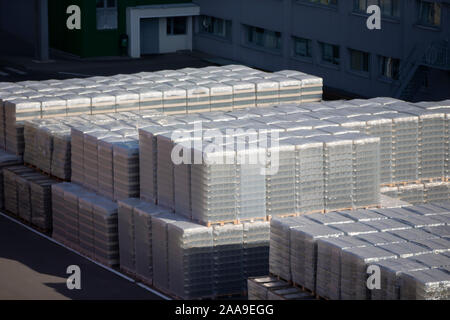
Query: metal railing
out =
(437, 55)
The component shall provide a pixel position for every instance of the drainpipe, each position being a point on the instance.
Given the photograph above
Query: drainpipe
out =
(42, 50)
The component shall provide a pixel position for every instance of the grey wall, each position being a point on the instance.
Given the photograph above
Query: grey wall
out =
(339, 26)
(18, 17)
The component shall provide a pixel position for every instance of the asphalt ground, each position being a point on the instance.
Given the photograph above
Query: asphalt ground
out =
(33, 267)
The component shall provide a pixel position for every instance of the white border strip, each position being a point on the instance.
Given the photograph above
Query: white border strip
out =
(159, 294)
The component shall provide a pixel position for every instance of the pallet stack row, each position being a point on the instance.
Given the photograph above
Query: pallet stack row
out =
(6, 160)
(185, 259)
(86, 222)
(418, 193)
(330, 254)
(168, 91)
(27, 194)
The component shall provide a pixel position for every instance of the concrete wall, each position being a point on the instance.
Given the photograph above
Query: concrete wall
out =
(340, 26)
(172, 43)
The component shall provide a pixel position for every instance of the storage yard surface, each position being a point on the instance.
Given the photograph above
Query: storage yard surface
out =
(32, 267)
(202, 230)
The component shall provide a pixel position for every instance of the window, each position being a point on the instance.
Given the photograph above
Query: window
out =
(302, 47)
(215, 26)
(359, 61)
(330, 53)
(389, 8)
(106, 11)
(390, 67)
(429, 13)
(176, 25)
(263, 38)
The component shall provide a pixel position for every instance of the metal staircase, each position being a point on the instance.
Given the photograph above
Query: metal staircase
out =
(414, 70)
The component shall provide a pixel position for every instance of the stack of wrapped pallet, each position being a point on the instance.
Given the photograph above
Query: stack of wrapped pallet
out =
(185, 94)
(6, 160)
(417, 193)
(28, 195)
(194, 261)
(334, 254)
(86, 222)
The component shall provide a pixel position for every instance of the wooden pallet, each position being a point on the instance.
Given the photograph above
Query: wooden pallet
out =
(287, 215)
(313, 212)
(127, 272)
(262, 219)
(279, 278)
(401, 183)
(375, 206)
(339, 209)
(144, 281)
(217, 223)
(431, 180)
(47, 232)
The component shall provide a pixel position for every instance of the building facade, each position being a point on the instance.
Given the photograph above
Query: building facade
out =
(408, 57)
(165, 26)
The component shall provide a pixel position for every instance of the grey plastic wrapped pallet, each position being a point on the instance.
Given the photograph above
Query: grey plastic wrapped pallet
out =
(214, 182)
(174, 100)
(106, 242)
(61, 165)
(160, 247)
(309, 183)
(256, 248)
(16, 112)
(244, 94)
(77, 151)
(251, 182)
(126, 169)
(290, 89)
(366, 170)
(6, 160)
(391, 271)
(311, 87)
(126, 231)
(279, 254)
(198, 98)
(431, 284)
(228, 258)
(303, 252)
(86, 229)
(338, 174)
(53, 107)
(150, 99)
(102, 102)
(91, 164)
(143, 214)
(221, 96)
(148, 160)
(280, 186)
(267, 92)
(126, 101)
(190, 260)
(328, 283)
(354, 262)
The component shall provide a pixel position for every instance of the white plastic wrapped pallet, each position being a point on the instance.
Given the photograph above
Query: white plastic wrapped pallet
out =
(126, 169)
